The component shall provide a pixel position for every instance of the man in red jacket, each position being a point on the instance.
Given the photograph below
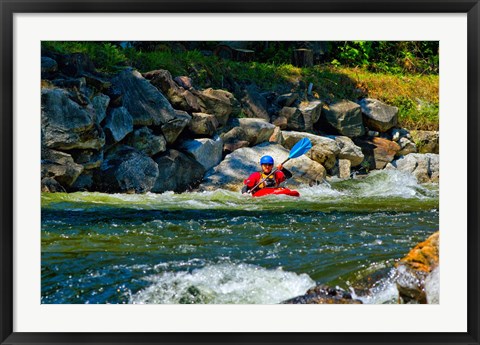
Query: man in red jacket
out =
(272, 181)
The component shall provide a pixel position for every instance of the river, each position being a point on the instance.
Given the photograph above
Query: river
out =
(223, 247)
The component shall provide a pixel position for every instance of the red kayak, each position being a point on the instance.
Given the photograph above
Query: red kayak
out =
(275, 191)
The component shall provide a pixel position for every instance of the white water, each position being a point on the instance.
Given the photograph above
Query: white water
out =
(224, 284)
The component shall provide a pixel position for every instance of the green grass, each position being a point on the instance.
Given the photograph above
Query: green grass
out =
(416, 96)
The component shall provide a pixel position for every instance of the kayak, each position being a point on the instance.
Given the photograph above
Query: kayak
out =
(275, 191)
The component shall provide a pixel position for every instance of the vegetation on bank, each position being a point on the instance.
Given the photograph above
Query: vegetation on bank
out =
(397, 77)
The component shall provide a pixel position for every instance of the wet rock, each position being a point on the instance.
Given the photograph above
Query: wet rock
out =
(118, 124)
(220, 103)
(126, 170)
(378, 116)
(238, 165)
(100, 104)
(414, 268)
(173, 128)
(144, 140)
(378, 152)
(59, 166)
(425, 167)
(348, 150)
(311, 112)
(254, 104)
(294, 116)
(426, 141)
(322, 294)
(204, 125)
(345, 117)
(256, 130)
(208, 152)
(147, 105)
(177, 172)
(324, 149)
(67, 125)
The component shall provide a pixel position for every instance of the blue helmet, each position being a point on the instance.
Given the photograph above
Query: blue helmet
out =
(266, 160)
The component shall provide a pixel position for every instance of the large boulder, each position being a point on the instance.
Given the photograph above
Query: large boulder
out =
(256, 130)
(147, 105)
(203, 125)
(234, 139)
(100, 104)
(324, 149)
(425, 167)
(59, 166)
(220, 103)
(179, 97)
(378, 152)
(126, 170)
(90, 159)
(254, 104)
(238, 165)
(349, 151)
(378, 116)
(144, 140)
(294, 117)
(426, 141)
(208, 152)
(67, 125)
(177, 172)
(118, 124)
(345, 117)
(311, 112)
(414, 269)
(172, 129)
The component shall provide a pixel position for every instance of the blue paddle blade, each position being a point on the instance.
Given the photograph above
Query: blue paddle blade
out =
(300, 148)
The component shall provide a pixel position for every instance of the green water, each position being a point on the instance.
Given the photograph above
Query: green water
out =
(222, 247)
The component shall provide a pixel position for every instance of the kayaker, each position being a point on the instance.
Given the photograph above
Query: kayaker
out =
(272, 181)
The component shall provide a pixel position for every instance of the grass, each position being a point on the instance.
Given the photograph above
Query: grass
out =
(416, 96)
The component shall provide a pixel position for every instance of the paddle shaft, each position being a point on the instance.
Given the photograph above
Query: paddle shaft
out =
(272, 172)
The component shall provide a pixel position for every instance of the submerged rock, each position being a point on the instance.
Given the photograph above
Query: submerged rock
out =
(322, 294)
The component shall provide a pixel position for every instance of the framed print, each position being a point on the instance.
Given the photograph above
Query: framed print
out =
(239, 172)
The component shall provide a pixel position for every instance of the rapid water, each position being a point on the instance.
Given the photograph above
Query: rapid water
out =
(222, 247)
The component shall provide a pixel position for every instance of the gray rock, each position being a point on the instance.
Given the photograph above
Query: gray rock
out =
(145, 141)
(126, 170)
(345, 117)
(173, 128)
(238, 165)
(406, 147)
(67, 125)
(100, 104)
(311, 112)
(426, 141)
(254, 104)
(234, 139)
(378, 152)
(256, 130)
(118, 123)
(177, 172)
(348, 150)
(220, 103)
(286, 100)
(50, 185)
(84, 182)
(59, 166)
(204, 125)
(208, 152)
(90, 159)
(378, 115)
(49, 67)
(294, 116)
(147, 105)
(425, 167)
(344, 168)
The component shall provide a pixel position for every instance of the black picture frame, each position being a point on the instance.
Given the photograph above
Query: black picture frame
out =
(10, 7)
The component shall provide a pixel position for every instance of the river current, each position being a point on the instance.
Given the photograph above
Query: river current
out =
(222, 247)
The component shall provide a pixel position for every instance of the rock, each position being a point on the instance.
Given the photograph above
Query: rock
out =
(254, 104)
(281, 122)
(89, 159)
(345, 117)
(100, 104)
(425, 167)
(324, 150)
(116, 96)
(294, 116)
(145, 141)
(256, 130)
(126, 170)
(147, 105)
(84, 182)
(50, 185)
(220, 103)
(414, 268)
(348, 150)
(238, 165)
(184, 81)
(49, 67)
(59, 166)
(426, 141)
(378, 115)
(208, 152)
(344, 168)
(406, 147)
(173, 128)
(177, 172)
(311, 112)
(75, 65)
(118, 124)
(286, 100)
(276, 137)
(378, 152)
(398, 133)
(432, 286)
(234, 139)
(203, 124)
(179, 97)
(324, 295)
(67, 125)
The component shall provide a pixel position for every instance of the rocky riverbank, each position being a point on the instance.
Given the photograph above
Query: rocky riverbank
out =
(134, 133)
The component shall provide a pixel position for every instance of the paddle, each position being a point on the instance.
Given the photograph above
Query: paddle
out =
(300, 148)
